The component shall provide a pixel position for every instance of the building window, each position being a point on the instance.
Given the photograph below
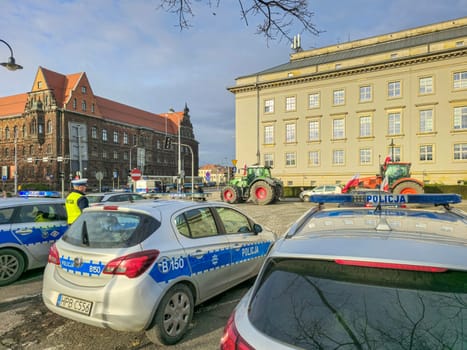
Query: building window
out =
(460, 151)
(395, 153)
(338, 129)
(269, 106)
(290, 159)
(290, 103)
(104, 135)
(338, 97)
(39, 84)
(426, 153)
(83, 106)
(313, 158)
(7, 133)
(24, 131)
(93, 108)
(394, 124)
(425, 85)
(115, 155)
(75, 103)
(125, 155)
(426, 120)
(269, 135)
(125, 138)
(115, 136)
(49, 126)
(313, 100)
(460, 80)
(31, 150)
(104, 154)
(460, 118)
(365, 156)
(338, 157)
(365, 93)
(394, 89)
(268, 160)
(290, 135)
(366, 128)
(94, 132)
(313, 130)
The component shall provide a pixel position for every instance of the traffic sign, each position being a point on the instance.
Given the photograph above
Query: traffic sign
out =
(135, 174)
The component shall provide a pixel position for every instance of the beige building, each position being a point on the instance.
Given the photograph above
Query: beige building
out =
(333, 112)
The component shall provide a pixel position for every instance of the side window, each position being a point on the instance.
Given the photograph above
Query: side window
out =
(27, 213)
(234, 222)
(182, 225)
(6, 215)
(201, 223)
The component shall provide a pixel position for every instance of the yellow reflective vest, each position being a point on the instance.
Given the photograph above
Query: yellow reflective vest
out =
(71, 205)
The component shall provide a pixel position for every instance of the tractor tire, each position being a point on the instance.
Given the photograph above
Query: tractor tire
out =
(262, 193)
(408, 187)
(230, 194)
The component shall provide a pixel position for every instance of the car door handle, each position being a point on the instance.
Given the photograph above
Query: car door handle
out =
(24, 232)
(198, 253)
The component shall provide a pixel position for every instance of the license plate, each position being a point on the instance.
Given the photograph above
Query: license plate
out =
(74, 304)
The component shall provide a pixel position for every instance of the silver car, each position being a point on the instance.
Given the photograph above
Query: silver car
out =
(323, 189)
(28, 228)
(361, 278)
(104, 197)
(145, 265)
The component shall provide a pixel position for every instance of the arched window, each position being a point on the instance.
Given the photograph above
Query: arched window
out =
(7, 133)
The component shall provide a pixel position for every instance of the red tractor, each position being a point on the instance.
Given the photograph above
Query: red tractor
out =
(396, 178)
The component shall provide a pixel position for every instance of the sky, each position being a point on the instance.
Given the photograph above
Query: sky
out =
(134, 53)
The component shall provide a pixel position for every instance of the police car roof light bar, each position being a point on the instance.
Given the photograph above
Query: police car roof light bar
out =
(388, 198)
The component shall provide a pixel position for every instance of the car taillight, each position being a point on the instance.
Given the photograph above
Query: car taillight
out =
(231, 339)
(131, 265)
(53, 258)
(382, 265)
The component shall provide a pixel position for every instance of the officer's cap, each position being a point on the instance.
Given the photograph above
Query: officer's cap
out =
(79, 182)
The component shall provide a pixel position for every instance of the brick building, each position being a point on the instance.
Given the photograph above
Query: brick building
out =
(62, 129)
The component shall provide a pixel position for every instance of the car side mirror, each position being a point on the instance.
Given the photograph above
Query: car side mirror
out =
(257, 228)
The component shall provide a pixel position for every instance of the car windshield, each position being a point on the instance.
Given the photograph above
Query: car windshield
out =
(110, 229)
(315, 304)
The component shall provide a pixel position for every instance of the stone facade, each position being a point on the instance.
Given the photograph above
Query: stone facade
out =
(333, 112)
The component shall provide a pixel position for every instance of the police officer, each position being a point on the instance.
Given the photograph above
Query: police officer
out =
(76, 200)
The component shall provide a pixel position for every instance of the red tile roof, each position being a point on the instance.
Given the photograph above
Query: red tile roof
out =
(64, 86)
(12, 105)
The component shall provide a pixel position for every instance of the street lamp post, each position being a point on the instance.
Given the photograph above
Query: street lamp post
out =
(16, 163)
(11, 64)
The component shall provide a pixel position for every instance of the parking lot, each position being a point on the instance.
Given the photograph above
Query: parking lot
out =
(25, 323)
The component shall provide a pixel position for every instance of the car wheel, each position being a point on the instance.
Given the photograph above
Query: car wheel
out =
(12, 265)
(173, 316)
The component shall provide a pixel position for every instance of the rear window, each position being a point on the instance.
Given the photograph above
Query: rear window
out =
(320, 304)
(110, 229)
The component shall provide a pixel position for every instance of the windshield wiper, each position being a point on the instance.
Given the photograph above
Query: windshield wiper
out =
(84, 234)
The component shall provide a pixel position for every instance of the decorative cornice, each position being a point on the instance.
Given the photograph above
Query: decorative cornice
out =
(343, 72)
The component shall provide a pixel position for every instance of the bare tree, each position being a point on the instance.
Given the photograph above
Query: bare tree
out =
(277, 16)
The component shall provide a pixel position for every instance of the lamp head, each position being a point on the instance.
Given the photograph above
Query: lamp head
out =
(11, 64)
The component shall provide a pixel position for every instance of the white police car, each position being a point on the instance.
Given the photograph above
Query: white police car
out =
(28, 227)
(361, 278)
(145, 265)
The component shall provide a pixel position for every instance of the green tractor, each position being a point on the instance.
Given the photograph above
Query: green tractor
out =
(257, 186)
